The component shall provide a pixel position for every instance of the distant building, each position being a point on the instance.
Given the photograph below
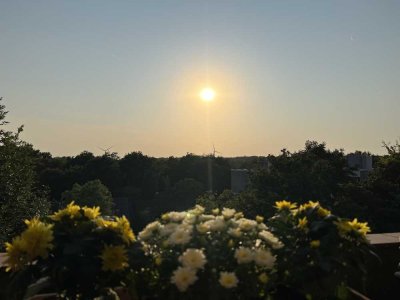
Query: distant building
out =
(239, 180)
(361, 163)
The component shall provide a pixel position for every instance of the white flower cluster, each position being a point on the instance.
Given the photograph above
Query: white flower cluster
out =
(185, 275)
(261, 257)
(192, 240)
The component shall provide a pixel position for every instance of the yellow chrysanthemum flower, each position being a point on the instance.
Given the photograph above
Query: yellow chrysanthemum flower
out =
(302, 223)
(72, 211)
(120, 225)
(91, 212)
(263, 278)
(310, 204)
(105, 223)
(114, 258)
(345, 227)
(285, 205)
(158, 261)
(124, 228)
(15, 255)
(36, 239)
(322, 212)
(315, 244)
(362, 228)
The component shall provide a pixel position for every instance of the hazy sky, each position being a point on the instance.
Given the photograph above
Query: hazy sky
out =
(87, 74)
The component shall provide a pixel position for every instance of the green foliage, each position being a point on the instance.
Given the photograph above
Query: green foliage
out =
(313, 173)
(92, 193)
(20, 195)
(185, 192)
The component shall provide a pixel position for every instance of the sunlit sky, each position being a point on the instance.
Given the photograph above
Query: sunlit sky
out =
(87, 74)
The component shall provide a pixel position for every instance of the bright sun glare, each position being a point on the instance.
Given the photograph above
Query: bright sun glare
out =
(207, 94)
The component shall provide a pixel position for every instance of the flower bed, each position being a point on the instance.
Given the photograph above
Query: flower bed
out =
(303, 252)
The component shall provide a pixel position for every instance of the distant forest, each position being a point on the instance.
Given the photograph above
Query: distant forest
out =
(143, 187)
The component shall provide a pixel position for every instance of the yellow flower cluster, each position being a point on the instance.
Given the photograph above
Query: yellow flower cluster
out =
(72, 211)
(91, 213)
(120, 225)
(34, 242)
(346, 227)
(322, 212)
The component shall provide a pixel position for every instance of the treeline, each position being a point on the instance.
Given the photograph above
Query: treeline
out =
(143, 187)
(149, 185)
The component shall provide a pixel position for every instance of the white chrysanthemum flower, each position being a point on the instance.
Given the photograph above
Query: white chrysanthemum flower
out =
(235, 232)
(153, 226)
(193, 258)
(244, 255)
(203, 228)
(228, 212)
(270, 239)
(203, 218)
(197, 210)
(176, 216)
(179, 237)
(185, 226)
(228, 279)
(167, 229)
(189, 219)
(239, 215)
(277, 245)
(145, 235)
(264, 258)
(148, 231)
(247, 224)
(215, 211)
(262, 226)
(183, 277)
(216, 225)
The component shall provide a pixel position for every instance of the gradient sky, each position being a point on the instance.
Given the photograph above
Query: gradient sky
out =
(87, 74)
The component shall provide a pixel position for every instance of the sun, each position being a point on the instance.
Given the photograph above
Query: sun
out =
(207, 94)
